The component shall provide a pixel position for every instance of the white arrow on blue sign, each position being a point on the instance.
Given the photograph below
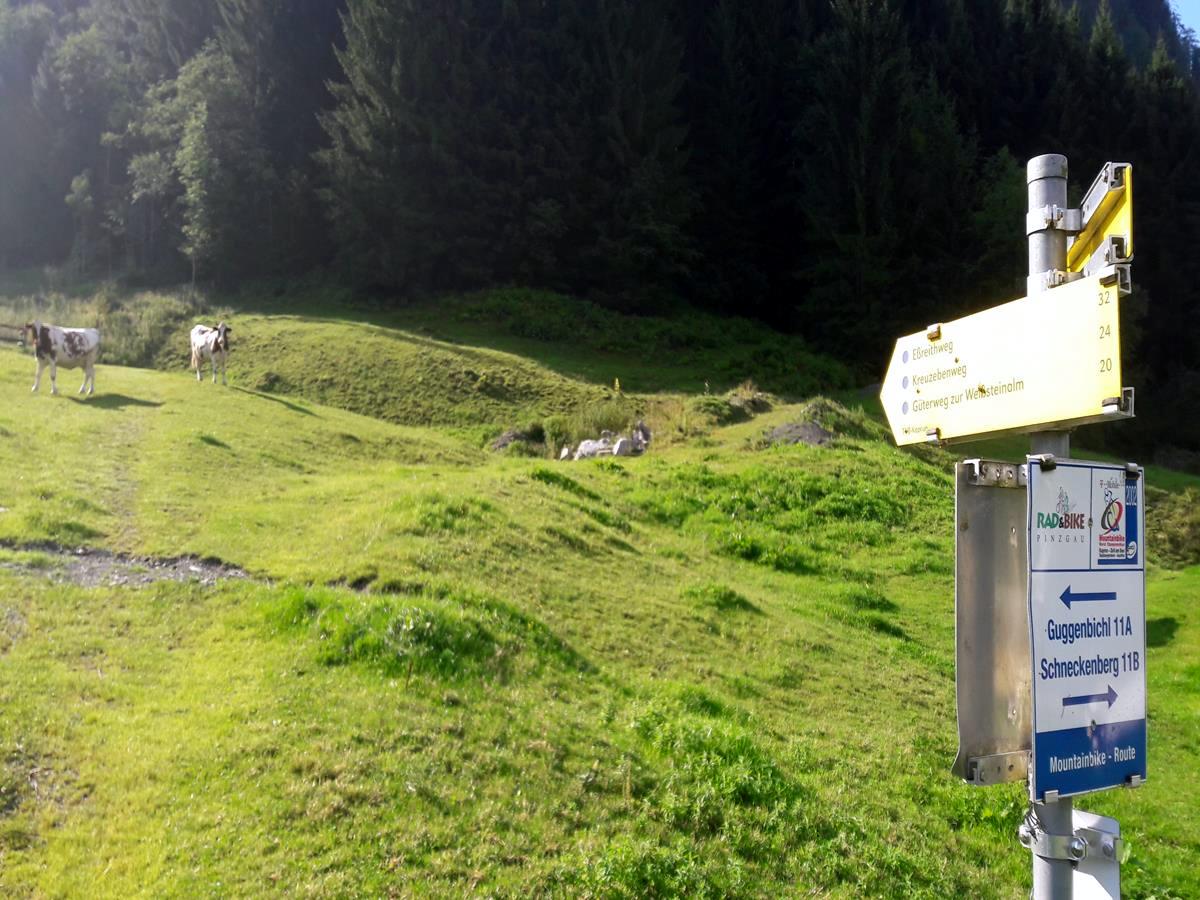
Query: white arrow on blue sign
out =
(1087, 615)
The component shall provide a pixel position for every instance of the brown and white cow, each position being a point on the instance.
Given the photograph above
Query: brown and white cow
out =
(210, 344)
(71, 348)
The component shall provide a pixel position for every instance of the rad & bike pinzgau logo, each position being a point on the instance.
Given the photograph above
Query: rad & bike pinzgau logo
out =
(1063, 524)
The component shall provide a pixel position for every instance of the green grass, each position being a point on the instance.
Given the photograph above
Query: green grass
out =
(715, 670)
(482, 363)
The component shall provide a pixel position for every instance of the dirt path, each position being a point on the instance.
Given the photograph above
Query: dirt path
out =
(87, 567)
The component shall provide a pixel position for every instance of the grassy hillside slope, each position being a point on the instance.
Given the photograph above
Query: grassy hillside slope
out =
(483, 363)
(715, 670)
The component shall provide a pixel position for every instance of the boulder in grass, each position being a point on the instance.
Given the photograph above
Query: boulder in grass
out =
(511, 436)
(799, 433)
(532, 435)
(590, 449)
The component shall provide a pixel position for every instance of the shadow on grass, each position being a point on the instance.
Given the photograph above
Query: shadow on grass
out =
(721, 598)
(114, 401)
(294, 407)
(214, 442)
(1160, 632)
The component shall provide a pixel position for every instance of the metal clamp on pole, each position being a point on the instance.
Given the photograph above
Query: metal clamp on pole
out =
(1057, 277)
(1070, 847)
(1046, 460)
(1053, 216)
(991, 473)
(1101, 843)
(1076, 847)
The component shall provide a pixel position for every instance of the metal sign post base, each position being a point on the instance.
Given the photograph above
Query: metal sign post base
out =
(1050, 827)
(1092, 848)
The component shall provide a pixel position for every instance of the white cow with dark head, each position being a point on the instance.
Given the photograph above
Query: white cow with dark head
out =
(71, 348)
(210, 344)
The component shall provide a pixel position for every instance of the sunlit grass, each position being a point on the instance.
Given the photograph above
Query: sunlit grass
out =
(713, 670)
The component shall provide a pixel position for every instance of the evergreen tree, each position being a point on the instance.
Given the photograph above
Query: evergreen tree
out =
(1166, 226)
(220, 161)
(34, 225)
(81, 90)
(859, 90)
(883, 169)
(740, 62)
(474, 143)
(284, 53)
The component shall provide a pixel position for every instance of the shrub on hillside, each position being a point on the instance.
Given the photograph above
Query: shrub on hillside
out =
(419, 628)
(616, 413)
(831, 418)
(438, 639)
(719, 779)
(134, 330)
(424, 635)
(629, 869)
(1175, 542)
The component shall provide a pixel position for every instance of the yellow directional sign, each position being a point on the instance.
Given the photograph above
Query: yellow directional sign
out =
(1048, 360)
(1107, 214)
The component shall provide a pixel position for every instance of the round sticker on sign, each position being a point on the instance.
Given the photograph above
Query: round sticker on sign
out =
(1131, 550)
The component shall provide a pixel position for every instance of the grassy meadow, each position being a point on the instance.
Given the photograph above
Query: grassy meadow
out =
(720, 669)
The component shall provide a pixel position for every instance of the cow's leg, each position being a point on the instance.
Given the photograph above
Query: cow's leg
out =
(37, 379)
(196, 363)
(90, 378)
(224, 356)
(53, 376)
(214, 367)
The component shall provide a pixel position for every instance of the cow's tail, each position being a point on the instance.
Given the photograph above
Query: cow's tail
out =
(195, 358)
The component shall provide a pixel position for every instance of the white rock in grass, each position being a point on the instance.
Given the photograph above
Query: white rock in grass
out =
(589, 449)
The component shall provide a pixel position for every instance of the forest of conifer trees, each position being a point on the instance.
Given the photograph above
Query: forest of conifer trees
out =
(845, 169)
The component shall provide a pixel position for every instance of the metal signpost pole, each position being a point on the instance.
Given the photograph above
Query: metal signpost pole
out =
(1046, 177)
(1070, 720)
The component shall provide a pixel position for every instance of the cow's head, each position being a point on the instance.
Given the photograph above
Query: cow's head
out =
(37, 335)
(223, 332)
